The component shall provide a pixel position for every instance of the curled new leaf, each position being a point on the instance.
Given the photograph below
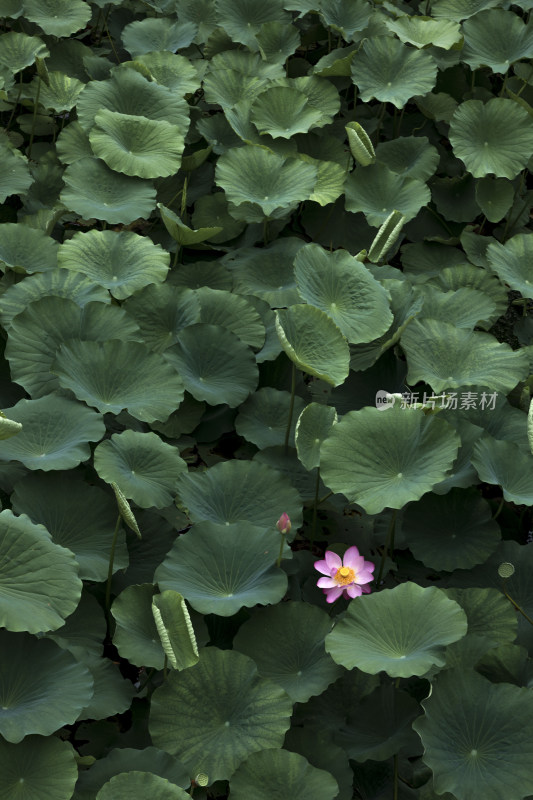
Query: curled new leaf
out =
(361, 146)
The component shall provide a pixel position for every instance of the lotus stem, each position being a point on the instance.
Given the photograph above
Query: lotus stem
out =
(278, 562)
(15, 103)
(389, 542)
(326, 497)
(110, 568)
(395, 767)
(291, 408)
(315, 507)
(499, 509)
(35, 107)
(515, 604)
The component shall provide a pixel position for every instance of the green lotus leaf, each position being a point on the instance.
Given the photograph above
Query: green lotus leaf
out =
(115, 375)
(219, 569)
(493, 415)
(282, 112)
(247, 63)
(180, 232)
(460, 9)
(312, 428)
(451, 531)
(288, 465)
(227, 87)
(481, 280)
(330, 180)
(470, 727)
(39, 583)
(60, 93)
(512, 262)
(18, 50)
(496, 38)
(112, 693)
(148, 784)
(320, 93)
(503, 463)
(137, 146)
(455, 198)
(77, 515)
(217, 713)
(389, 71)
(145, 468)
(148, 35)
(37, 333)
(377, 192)
(94, 190)
(58, 283)
(239, 119)
(401, 631)
(314, 343)
(128, 92)
(26, 249)
(463, 308)
(11, 8)
(346, 17)
(262, 419)
(175, 629)
(37, 768)
(448, 357)
(122, 262)
(494, 196)
(55, 433)
(495, 137)
(287, 644)
(202, 12)
(219, 307)
(8, 427)
(125, 760)
(410, 156)
(161, 311)
(488, 612)
(253, 174)
(339, 285)
(242, 19)
(171, 70)
(271, 348)
(201, 273)
(386, 458)
(424, 31)
(84, 631)
(267, 273)
(15, 177)
(238, 491)
(276, 774)
(437, 106)
(58, 17)
(43, 687)
(211, 209)
(214, 364)
(277, 41)
(323, 753)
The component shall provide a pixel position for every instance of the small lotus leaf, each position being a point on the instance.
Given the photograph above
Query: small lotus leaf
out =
(263, 418)
(504, 464)
(402, 631)
(346, 16)
(145, 784)
(26, 249)
(275, 774)
(242, 19)
(377, 192)
(266, 273)
(161, 311)
(15, 177)
(312, 428)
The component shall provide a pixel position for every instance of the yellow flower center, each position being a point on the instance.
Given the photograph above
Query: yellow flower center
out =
(344, 575)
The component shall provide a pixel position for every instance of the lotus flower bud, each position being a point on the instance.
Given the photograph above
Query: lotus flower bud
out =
(284, 523)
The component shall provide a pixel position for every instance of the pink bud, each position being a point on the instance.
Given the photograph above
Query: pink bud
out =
(284, 523)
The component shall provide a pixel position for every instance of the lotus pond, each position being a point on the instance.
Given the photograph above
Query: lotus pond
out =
(266, 469)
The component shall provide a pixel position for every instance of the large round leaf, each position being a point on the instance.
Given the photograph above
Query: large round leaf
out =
(496, 38)
(278, 774)
(256, 175)
(287, 644)
(345, 290)
(57, 282)
(346, 16)
(214, 364)
(55, 433)
(147, 148)
(283, 111)
(115, 375)
(94, 190)
(219, 307)
(43, 687)
(221, 568)
(147, 35)
(385, 69)
(242, 19)
(451, 531)
(37, 768)
(161, 311)
(121, 262)
(267, 272)
(143, 784)
(377, 191)
(263, 418)
(145, 468)
(492, 138)
(26, 249)
(462, 308)
(512, 262)
(503, 463)
(472, 727)
(173, 71)
(58, 17)
(37, 333)
(410, 156)
(18, 50)
(15, 177)
(136, 637)
(240, 491)
(39, 583)
(215, 714)
(448, 357)
(77, 515)
(380, 458)
(60, 94)
(424, 31)
(314, 342)
(402, 631)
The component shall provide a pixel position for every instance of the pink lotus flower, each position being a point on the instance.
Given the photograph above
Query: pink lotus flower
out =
(346, 576)
(284, 523)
